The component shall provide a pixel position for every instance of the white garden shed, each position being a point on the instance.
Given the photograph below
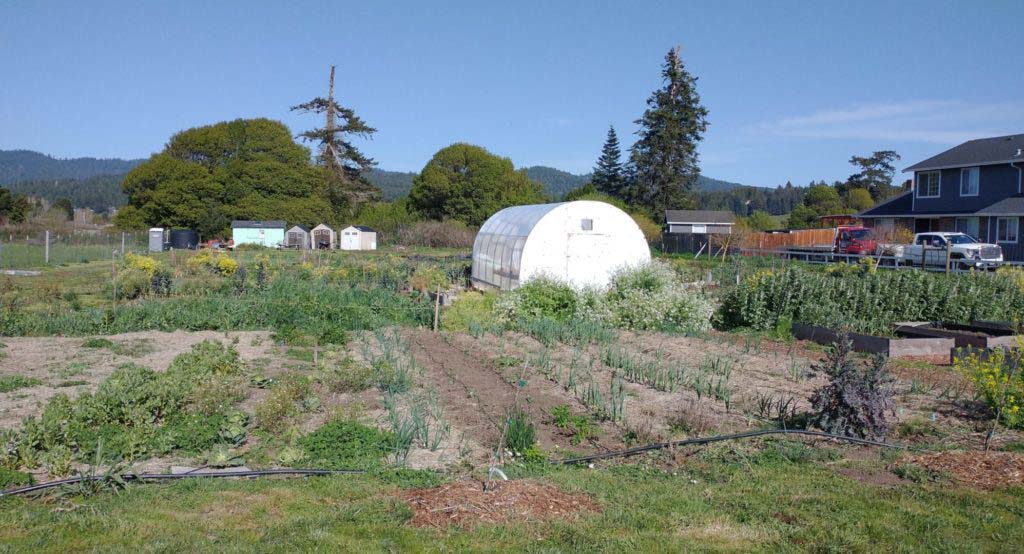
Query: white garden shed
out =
(579, 242)
(358, 237)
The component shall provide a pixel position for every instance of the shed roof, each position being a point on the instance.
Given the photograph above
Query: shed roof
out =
(303, 227)
(268, 224)
(700, 216)
(362, 228)
(985, 151)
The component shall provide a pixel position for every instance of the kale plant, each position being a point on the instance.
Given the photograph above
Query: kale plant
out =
(858, 395)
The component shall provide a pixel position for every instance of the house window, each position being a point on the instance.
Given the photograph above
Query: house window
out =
(1007, 229)
(928, 184)
(968, 226)
(969, 177)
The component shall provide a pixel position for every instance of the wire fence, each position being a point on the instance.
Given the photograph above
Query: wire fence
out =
(39, 249)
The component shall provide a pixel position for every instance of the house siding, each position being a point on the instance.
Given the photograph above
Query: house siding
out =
(995, 182)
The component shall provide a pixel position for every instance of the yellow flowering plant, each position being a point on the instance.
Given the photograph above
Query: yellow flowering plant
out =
(996, 375)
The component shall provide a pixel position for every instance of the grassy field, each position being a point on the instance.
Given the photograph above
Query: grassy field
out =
(724, 500)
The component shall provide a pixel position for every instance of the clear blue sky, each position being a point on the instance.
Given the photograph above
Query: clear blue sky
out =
(793, 88)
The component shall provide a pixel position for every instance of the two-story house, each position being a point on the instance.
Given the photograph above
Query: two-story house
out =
(974, 188)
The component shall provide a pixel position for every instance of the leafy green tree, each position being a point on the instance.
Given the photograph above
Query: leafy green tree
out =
(13, 208)
(875, 175)
(64, 205)
(346, 165)
(665, 154)
(469, 184)
(761, 221)
(386, 216)
(821, 199)
(858, 199)
(241, 169)
(129, 218)
(608, 175)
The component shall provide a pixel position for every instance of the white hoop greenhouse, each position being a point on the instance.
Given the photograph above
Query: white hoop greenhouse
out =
(580, 242)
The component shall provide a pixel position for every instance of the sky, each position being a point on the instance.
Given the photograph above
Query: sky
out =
(793, 89)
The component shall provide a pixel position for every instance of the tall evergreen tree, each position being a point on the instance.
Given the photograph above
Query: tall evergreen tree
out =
(665, 154)
(608, 175)
(345, 164)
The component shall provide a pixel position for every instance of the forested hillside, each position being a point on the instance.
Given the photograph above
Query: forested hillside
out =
(26, 165)
(99, 192)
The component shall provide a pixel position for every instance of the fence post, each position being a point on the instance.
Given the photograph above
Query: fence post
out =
(122, 241)
(46, 248)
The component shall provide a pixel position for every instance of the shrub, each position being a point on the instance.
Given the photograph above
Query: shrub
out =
(348, 376)
(144, 264)
(213, 262)
(436, 234)
(541, 296)
(997, 377)
(855, 401)
(345, 444)
(469, 309)
(428, 279)
(650, 296)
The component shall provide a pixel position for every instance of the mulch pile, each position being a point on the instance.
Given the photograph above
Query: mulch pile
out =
(466, 503)
(985, 470)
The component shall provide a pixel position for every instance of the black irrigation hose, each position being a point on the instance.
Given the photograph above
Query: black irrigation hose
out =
(168, 476)
(582, 459)
(720, 438)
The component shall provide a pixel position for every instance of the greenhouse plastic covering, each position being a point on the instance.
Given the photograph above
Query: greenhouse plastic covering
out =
(498, 249)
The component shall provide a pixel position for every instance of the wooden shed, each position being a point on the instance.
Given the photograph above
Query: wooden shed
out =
(324, 238)
(297, 237)
(358, 237)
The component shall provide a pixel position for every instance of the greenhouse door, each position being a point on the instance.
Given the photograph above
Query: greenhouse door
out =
(583, 259)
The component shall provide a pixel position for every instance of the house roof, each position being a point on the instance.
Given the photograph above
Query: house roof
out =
(1012, 205)
(303, 227)
(699, 216)
(902, 206)
(270, 224)
(986, 151)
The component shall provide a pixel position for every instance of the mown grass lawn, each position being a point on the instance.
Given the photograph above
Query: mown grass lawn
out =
(739, 504)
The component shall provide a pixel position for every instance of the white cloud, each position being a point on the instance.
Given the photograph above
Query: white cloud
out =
(928, 121)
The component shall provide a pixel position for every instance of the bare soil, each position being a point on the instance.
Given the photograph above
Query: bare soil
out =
(65, 366)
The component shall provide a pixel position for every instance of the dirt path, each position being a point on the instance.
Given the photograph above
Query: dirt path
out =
(479, 398)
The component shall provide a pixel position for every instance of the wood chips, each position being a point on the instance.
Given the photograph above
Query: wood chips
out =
(466, 503)
(985, 470)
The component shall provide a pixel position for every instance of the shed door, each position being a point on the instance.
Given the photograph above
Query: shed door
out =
(350, 240)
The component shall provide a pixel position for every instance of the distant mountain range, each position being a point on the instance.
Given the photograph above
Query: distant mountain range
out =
(96, 183)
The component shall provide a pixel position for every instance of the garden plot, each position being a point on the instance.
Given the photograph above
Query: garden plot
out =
(479, 393)
(71, 365)
(721, 384)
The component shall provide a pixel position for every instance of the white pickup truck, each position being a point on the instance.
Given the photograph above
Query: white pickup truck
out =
(964, 251)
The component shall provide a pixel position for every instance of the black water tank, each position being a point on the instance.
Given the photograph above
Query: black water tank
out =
(184, 239)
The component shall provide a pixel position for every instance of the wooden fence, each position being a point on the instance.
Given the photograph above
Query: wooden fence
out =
(798, 238)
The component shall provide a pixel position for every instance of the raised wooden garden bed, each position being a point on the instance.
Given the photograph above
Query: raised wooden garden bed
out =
(901, 346)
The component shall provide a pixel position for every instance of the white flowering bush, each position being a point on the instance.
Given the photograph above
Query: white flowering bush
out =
(651, 296)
